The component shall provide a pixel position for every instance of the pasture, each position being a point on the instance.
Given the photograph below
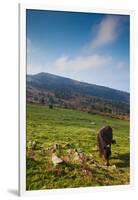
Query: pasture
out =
(73, 130)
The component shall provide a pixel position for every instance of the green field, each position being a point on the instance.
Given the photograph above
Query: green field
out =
(73, 130)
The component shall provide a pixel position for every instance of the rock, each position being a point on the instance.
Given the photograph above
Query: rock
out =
(82, 157)
(32, 145)
(76, 157)
(29, 144)
(112, 167)
(54, 147)
(103, 166)
(67, 159)
(87, 172)
(79, 150)
(92, 161)
(69, 151)
(56, 160)
(94, 165)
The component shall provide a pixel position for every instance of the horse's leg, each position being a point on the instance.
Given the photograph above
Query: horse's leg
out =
(100, 146)
(107, 162)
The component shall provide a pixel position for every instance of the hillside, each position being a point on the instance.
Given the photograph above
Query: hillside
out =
(73, 132)
(48, 89)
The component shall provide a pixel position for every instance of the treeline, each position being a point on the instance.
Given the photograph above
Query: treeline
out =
(90, 104)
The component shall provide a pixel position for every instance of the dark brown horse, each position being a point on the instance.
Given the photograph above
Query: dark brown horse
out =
(104, 141)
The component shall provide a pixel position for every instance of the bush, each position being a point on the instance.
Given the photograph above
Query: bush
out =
(51, 106)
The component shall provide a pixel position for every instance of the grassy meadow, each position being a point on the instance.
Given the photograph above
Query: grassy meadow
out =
(73, 130)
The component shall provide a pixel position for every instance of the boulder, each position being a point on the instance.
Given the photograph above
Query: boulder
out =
(56, 160)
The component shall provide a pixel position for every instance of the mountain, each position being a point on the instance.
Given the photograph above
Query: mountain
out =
(65, 92)
(54, 83)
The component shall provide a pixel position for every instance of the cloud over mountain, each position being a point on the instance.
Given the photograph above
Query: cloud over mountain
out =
(107, 31)
(80, 63)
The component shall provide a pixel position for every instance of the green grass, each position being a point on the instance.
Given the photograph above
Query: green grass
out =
(72, 129)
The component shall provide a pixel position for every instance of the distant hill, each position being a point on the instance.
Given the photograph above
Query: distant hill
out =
(54, 83)
(52, 89)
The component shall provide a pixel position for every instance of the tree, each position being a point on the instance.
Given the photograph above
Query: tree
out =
(42, 100)
(50, 106)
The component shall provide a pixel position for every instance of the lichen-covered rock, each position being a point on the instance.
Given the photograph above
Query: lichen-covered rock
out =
(56, 160)
(76, 156)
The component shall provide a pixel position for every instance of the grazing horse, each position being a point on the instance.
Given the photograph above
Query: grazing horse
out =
(104, 141)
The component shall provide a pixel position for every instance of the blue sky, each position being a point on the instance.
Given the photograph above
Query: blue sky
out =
(89, 47)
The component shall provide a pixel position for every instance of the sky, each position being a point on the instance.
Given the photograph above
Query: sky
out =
(88, 47)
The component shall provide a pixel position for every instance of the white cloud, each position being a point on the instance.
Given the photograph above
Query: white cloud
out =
(80, 63)
(107, 31)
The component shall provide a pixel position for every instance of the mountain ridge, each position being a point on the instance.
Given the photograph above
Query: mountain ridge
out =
(85, 82)
(45, 80)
